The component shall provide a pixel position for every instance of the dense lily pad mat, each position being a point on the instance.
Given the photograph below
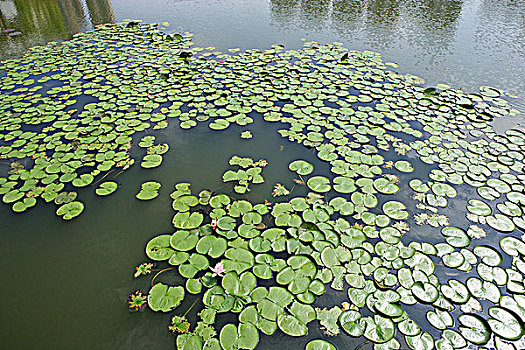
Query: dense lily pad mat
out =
(400, 155)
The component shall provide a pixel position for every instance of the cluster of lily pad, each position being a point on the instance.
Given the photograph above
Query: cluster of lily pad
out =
(320, 247)
(249, 172)
(54, 138)
(372, 125)
(153, 158)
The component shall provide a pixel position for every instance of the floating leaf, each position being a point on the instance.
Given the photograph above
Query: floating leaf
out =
(384, 186)
(501, 223)
(404, 166)
(24, 204)
(245, 336)
(246, 135)
(298, 274)
(165, 298)
(352, 323)
(343, 185)
(319, 344)
(456, 237)
(409, 328)
(479, 207)
(294, 322)
(147, 141)
(148, 190)
(395, 210)
(211, 245)
(319, 184)
(378, 329)
(159, 248)
(106, 188)
(151, 161)
(70, 210)
(187, 221)
(474, 328)
(239, 285)
(280, 190)
(183, 240)
(83, 180)
(505, 324)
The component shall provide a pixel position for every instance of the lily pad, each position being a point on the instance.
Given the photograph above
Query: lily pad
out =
(83, 180)
(319, 344)
(148, 190)
(151, 161)
(501, 223)
(343, 185)
(159, 248)
(404, 166)
(474, 328)
(295, 320)
(328, 319)
(395, 210)
(319, 184)
(184, 240)
(379, 329)
(147, 141)
(106, 188)
(165, 298)
(385, 186)
(505, 324)
(298, 274)
(244, 336)
(456, 236)
(187, 221)
(211, 245)
(352, 323)
(70, 210)
(301, 167)
(24, 204)
(239, 285)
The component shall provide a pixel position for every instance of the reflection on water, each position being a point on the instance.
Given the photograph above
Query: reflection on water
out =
(36, 22)
(381, 23)
(100, 11)
(73, 15)
(466, 43)
(500, 16)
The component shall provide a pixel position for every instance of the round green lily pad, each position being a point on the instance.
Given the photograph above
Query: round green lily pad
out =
(319, 184)
(148, 190)
(70, 210)
(319, 344)
(395, 210)
(83, 180)
(301, 167)
(165, 298)
(151, 161)
(404, 166)
(106, 188)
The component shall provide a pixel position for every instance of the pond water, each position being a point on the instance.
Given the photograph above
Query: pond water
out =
(66, 283)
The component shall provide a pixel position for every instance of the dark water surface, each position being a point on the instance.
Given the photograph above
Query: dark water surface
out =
(65, 283)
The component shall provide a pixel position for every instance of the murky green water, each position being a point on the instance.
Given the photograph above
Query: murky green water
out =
(65, 284)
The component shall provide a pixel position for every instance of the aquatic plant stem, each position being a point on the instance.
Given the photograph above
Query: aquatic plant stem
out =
(158, 273)
(361, 345)
(120, 172)
(102, 178)
(191, 307)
